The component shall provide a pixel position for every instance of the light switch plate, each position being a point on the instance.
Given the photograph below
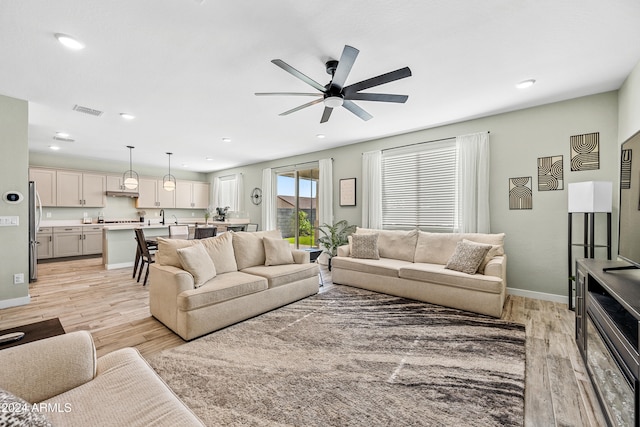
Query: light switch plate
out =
(9, 221)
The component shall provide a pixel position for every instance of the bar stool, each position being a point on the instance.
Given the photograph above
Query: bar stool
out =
(152, 248)
(204, 232)
(146, 257)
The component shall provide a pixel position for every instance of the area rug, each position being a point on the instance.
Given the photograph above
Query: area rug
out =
(350, 357)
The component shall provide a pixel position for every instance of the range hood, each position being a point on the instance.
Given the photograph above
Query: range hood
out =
(123, 194)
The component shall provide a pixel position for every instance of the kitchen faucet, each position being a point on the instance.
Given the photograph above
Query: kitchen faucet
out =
(175, 218)
(162, 215)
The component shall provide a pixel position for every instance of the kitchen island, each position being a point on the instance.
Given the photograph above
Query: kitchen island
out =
(119, 242)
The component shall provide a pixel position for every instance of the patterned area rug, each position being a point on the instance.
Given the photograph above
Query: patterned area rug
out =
(350, 357)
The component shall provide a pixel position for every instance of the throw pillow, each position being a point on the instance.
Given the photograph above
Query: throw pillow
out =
(277, 251)
(467, 256)
(495, 250)
(365, 246)
(167, 248)
(249, 249)
(196, 261)
(15, 411)
(220, 249)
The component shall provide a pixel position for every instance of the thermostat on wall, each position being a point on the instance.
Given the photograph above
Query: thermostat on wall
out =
(13, 197)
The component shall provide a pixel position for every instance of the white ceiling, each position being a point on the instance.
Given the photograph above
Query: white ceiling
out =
(188, 69)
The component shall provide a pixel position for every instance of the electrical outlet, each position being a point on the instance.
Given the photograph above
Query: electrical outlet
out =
(18, 278)
(9, 221)
(84, 214)
(48, 214)
(193, 214)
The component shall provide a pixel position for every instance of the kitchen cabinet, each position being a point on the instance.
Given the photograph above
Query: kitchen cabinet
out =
(91, 240)
(116, 183)
(79, 189)
(46, 186)
(192, 195)
(153, 195)
(67, 241)
(44, 237)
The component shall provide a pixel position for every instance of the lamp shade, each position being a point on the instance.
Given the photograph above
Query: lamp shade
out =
(590, 196)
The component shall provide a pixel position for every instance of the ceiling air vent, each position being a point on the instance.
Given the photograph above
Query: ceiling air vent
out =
(59, 138)
(87, 110)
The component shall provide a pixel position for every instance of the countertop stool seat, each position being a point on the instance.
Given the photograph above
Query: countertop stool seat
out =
(146, 257)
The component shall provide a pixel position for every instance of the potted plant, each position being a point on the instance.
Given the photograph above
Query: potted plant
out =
(334, 236)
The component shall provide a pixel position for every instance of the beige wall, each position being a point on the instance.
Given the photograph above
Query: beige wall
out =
(629, 106)
(14, 161)
(536, 240)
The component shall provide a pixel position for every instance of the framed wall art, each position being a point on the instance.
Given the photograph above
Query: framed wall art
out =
(348, 192)
(585, 152)
(520, 193)
(550, 173)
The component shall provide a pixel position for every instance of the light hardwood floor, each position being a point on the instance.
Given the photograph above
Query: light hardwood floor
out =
(110, 304)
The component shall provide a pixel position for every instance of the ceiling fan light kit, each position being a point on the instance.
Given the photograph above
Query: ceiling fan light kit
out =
(335, 94)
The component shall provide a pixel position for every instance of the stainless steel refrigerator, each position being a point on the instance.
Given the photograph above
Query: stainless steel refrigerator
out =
(35, 215)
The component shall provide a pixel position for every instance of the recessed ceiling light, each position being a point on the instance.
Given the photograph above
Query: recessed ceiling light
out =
(184, 165)
(226, 139)
(525, 84)
(69, 41)
(54, 147)
(209, 158)
(127, 116)
(62, 134)
(320, 136)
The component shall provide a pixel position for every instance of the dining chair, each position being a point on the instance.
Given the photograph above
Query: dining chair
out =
(153, 246)
(204, 232)
(178, 230)
(252, 227)
(236, 228)
(146, 257)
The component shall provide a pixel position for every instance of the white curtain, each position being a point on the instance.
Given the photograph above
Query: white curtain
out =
(325, 192)
(372, 189)
(472, 188)
(268, 201)
(239, 193)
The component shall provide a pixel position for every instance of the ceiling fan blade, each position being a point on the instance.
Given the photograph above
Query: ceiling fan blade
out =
(378, 80)
(287, 94)
(326, 114)
(382, 97)
(356, 110)
(289, 69)
(349, 55)
(308, 104)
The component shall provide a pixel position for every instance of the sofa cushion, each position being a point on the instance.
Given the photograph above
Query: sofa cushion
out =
(382, 267)
(223, 287)
(277, 251)
(396, 244)
(436, 273)
(467, 256)
(15, 411)
(248, 247)
(437, 248)
(365, 246)
(220, 249)
(167, 251)
(278, 275)
(496, 250)
(196, 261)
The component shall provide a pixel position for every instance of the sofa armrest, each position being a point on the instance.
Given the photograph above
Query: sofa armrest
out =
(301, 257)
(497, 267)
(344, 250)
(165, 284)
(42, 369)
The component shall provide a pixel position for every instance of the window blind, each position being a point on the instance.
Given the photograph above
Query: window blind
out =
(419, 187)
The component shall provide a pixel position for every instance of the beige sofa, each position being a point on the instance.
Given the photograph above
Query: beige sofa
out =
(253, 273)
(61, 380)
(412, 265)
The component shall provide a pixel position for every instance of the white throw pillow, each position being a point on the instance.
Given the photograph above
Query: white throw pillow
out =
(277, 251)
(220, 250)
(196, 261)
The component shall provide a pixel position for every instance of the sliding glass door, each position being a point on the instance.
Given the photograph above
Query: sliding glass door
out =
(297, 204)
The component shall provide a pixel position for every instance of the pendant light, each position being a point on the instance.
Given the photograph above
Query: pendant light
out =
(130, 177)
(169, 181)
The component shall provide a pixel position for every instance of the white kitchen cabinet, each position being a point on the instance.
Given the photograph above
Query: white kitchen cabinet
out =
(45, 180)
(116, 183)
(153, 195)
(67, 241)
(192, 195)
(91, 240)
(78, 189)
(44, 237)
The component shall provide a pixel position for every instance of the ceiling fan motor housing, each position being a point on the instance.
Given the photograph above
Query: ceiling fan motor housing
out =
(331, 66)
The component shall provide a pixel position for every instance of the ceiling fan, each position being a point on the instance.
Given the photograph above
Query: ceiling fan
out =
(335, 94)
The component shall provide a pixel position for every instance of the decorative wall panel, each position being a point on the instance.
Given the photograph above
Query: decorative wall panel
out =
(550, 173)
(625, 170)
(585, 152)
(520, 193)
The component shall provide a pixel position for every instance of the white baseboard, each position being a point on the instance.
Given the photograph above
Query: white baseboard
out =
(120, 265)
(537, 295)
(14, 302)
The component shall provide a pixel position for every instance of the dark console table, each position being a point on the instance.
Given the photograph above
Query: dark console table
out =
(607, 334)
